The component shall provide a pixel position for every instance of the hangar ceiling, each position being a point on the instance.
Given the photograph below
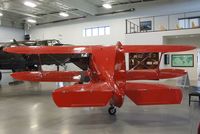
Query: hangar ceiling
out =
(15, 13)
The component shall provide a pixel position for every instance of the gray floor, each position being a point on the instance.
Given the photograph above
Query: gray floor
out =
(27, 108)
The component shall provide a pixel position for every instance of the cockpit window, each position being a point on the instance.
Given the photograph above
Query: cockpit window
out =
(53, 42)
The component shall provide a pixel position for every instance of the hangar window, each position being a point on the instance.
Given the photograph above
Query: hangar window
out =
(88, 32)
(189, 22)
(96, 31)
(101, 31)
(107, 30)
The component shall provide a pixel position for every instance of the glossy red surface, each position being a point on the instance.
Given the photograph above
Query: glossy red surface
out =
(89, 49)
(49, 49)
(149, 74)
(171, 73)
(108, 77)
(153, 94)
(49, 76)
(157, 48)
(83, 95)
(154, 74)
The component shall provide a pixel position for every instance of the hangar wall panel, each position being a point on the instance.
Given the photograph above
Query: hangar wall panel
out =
(73, 34)
(71, 31)
(7, 34)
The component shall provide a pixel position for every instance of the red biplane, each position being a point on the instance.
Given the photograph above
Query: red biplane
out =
(105, 80)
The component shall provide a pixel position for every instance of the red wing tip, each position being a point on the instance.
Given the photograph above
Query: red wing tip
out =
(5, 49)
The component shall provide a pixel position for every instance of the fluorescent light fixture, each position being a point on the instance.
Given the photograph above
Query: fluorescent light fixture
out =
(30, 4)
(106, 5)
(1, 14)
(63, 14)
(31, 21)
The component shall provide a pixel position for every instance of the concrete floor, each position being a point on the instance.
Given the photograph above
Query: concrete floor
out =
(27, 108)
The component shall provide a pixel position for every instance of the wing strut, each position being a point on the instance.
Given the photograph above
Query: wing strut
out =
(40, 62)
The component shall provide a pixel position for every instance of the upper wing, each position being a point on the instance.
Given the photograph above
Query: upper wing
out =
(156, 48)
(83, 95)
(88, 49)
(153, 94)
(49, 49)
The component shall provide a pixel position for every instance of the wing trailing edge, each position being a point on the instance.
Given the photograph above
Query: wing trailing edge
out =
(153, 94)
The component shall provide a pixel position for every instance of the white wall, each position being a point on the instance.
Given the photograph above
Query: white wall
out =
(71, 32)
(7, 34)
(155, 38)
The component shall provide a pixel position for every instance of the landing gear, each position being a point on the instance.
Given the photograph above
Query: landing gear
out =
(112, 110)
(0, 75)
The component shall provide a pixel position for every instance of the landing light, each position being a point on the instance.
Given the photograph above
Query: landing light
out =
(30, 4)
(63, 14)
(1, 14)
(108, 6)
(31, 21)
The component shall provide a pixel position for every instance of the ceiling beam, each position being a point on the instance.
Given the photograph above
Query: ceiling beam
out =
(83, 5)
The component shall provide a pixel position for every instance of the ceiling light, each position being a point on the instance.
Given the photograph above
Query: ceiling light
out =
(108, 6)
(64, 14)
(31, 21)
(1, 14)
(30, 4)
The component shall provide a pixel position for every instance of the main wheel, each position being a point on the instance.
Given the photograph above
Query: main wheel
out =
(112, 110)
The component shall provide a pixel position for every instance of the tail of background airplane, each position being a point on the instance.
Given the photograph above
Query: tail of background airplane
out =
(15, 42)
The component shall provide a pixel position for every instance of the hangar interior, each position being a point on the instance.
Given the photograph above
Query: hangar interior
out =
(27, 107)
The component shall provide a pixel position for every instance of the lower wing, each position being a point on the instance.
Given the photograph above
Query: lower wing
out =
(50, 76)
(153, 74)
(83, 95)
(153, 94)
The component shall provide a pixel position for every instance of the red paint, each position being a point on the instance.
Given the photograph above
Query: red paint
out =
(154, 74)
(48, 49)
(49, 76)
(156, 48)
(153, 94)
(83, 95)
(171, 73)
(108, 76)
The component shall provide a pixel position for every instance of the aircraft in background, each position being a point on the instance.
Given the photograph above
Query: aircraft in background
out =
(105, 79)
(16, 62)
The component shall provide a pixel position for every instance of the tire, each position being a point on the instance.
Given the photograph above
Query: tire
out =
(112, 110)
